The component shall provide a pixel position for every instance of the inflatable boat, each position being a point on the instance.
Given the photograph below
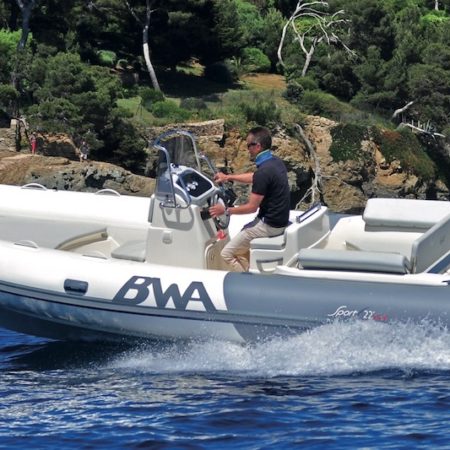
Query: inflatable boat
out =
(101, 266)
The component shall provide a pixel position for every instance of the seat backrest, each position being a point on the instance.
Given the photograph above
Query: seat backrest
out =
(431, 246)
(353, 260)
(393, 213)
(307, 231)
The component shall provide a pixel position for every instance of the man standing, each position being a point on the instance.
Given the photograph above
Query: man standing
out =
(84, 151)
(270, 193)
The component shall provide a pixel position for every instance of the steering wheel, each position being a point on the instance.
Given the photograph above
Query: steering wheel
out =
(222, 221)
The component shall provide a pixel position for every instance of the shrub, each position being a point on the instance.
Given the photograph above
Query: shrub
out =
(170, 110)
(254, 60)
(220, 72)
(307, 83)
(446, 133)
(404, 146)
(294, 92)
(347, 141)
(322, 104)
(107, 58)
(262, 111)
(193, 104)
(150, 96)
(241, 107)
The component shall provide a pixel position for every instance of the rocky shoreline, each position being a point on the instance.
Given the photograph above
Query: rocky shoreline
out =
(345, 186)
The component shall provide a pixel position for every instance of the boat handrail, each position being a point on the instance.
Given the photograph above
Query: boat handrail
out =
(169, 200)
(26, 243)
(309, 212)
(274, 262)
(107, 191)
(34, 186)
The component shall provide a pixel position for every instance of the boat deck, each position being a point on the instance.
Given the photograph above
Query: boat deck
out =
(46, 233)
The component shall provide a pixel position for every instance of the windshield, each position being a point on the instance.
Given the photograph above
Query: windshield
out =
(175, 148)
(180, 147)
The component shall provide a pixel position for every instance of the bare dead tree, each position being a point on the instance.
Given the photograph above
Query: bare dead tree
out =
(315, 189)
(436, 5)
(401, 110)
(25, 6)
(422, 128)
(145, 24)
(322, 29)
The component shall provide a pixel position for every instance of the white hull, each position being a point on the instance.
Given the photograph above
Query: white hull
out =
(89, 266)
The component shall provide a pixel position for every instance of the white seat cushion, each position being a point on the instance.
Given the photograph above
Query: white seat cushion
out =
(132, 250)
(313, 258)
(404, 213)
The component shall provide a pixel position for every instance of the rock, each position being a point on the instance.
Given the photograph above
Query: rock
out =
(345, 187)
(7, 140)
(63, 174)
(57, 145)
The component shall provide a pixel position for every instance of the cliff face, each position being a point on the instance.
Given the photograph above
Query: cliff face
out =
(345, 186)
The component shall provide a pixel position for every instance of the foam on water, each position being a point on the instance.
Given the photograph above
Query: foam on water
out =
(334, 349)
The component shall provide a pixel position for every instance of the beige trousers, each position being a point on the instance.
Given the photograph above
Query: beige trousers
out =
(237, 252)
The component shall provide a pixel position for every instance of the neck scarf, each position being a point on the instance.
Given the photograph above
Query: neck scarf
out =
(263, 157)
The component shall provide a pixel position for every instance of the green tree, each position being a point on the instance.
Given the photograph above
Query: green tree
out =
(271, 29)
(429, 86)
(8, 44)
(79, 99)
(371, 26)
(228, 34)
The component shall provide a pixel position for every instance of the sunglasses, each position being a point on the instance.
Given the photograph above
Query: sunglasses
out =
(251, 144)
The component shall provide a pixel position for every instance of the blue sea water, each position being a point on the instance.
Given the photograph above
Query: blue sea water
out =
(344, 385)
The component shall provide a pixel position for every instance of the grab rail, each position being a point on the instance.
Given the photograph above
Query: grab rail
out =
(107, 192)
(34, 186)
(26, 243)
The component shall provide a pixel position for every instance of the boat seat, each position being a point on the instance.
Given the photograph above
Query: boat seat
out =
(131, 250)
(404, 213)
(431, 246)
(357, 261)
(50, 233)
(307, 229)
(271, 243)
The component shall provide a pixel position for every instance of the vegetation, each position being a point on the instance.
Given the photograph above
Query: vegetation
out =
(80, 68)
(405, 147)
(347, 141)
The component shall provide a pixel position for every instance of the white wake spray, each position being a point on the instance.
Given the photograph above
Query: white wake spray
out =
(335, 349)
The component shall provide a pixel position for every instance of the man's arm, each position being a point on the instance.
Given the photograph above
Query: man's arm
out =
(246, 178)
(251, 206)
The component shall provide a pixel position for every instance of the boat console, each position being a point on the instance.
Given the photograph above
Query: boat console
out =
(181, 230)
(191, 185)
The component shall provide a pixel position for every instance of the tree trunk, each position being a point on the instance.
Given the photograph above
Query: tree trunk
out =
(148, 62)
(145, 45)
(308, 57)
(25, 7)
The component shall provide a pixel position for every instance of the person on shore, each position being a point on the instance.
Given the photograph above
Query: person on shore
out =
(84, 151)
(33, 143)
(270, 196)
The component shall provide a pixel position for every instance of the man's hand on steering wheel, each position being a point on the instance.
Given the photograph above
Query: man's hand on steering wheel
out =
(217, 210)
(220, 177)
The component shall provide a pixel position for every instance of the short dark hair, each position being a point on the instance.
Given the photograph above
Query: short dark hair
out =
(263, 136)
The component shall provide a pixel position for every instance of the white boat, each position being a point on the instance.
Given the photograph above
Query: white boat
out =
(86, 266)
